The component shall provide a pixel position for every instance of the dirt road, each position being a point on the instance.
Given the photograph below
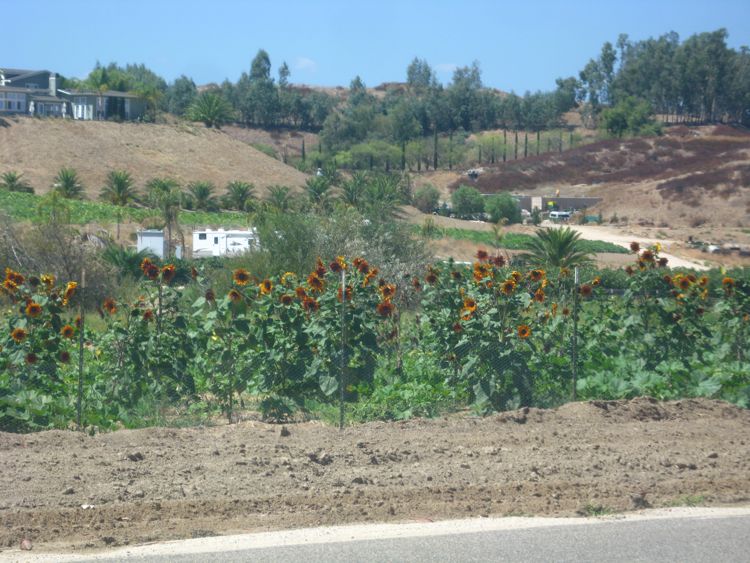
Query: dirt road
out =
(68, 490)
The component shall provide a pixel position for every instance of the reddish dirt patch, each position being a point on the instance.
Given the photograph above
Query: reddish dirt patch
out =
(160, 483)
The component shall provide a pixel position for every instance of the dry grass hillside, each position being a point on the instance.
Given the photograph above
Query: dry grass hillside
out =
(40, 147)
(687, 177)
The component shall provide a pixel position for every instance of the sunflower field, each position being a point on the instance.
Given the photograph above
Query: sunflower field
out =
(484, 336)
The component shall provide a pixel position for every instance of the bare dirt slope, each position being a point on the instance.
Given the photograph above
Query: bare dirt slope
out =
(67, 490)
(188, 152)
(687, 177)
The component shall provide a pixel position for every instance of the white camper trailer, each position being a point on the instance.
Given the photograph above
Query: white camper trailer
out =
(219, 242)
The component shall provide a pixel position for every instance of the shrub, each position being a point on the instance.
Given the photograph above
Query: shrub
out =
(467, 201)
(427, 198)
(503, 206)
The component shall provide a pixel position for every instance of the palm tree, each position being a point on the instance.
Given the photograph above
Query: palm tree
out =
(67, 184)
(118, 190)
(279, 197)
(557, 248)
(127, 261)
(202, 194)
(318, 190)
(210, 108)
(239, 196)
(14, 182)
(354, 189)
(164, 194)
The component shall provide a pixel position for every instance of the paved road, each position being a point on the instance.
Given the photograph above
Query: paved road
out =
(684, 535)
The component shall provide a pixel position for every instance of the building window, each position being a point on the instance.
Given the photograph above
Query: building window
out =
(202, 236)
(216, 240)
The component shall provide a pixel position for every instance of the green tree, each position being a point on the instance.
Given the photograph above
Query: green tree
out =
(426, 198)
(557, 248)
(631, 116)
(353, 190)
(318, 191)
(67, 184)
(165, 195)
(279, 198)
(14, 182)
(118, 190)
(240, 195)
(503, 206)
(202, 195)
(467, 201)
(210, 108)
(180, 95)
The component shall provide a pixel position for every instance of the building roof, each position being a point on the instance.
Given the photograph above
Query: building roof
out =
(19, 89)
(107, 94)
(44, 98)
(15, 73)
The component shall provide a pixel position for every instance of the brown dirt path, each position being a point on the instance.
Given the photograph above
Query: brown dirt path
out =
(66, 490)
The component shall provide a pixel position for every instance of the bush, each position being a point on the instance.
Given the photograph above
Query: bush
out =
(503, 206)
(427, 198)
(467, 201)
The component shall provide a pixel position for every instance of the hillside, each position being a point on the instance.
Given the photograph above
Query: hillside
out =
(687, 177)
(40, 147)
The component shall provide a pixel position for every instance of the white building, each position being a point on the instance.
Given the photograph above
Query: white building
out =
(153, 241)
(219, 242)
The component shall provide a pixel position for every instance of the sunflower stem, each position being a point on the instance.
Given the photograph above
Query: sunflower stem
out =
(79, 398)
(342, 375)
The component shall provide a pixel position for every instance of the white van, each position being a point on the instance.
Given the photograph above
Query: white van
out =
(559, 215)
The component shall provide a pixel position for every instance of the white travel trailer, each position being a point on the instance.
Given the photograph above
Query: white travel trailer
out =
(219, 242)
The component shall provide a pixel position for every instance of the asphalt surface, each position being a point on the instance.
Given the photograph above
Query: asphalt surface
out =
(686, 537)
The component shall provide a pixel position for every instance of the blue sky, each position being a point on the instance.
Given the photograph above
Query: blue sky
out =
(520, 45)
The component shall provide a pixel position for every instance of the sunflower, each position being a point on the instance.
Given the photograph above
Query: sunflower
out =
(310, 305)
(431, 277)
(10, 286)
(456, 275)
(539, 296)
(369, 276)
(683, 283)
(385, 308)
(19, 335)
(482, 255)
(31, 358)
(335, 267)
(234, 296)
(457, 327)
(647, 255)
(663, 262)
(517, 277)
(33, 310)
(692, 277)
(667, 279)
(49, 281)
(416, 284)
(167, 273)
(265, 287)
(193, 272)
(466, 315)
(388, 290)
(145, 263)
(536, 275)
(300, 292)
(596, 281)
(78, 322)
(728, 284)
(320, 268)
(34, 281)
(348, 293)
(629, 270)
(15, 277)
(524, 331)
(148, 314)
(635, 247)
(565, 311)
(241, 276)
(508, 287)
(315, 282)
(64, 357)
(361, 265)
(470, 304)
(210, 295)
(286, 299)
(553, 309)
(67, 331)
(703, 281)
(151, 271)
(498, 261)
(287, 278)
(481, 271)
(585, 290)
(109, 305)
(564, 272)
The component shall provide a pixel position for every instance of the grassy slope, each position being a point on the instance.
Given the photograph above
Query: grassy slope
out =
(38, 148)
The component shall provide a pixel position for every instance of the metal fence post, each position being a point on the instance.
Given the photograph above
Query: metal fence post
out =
(575, 335)
(342, 375)
(79, 399)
